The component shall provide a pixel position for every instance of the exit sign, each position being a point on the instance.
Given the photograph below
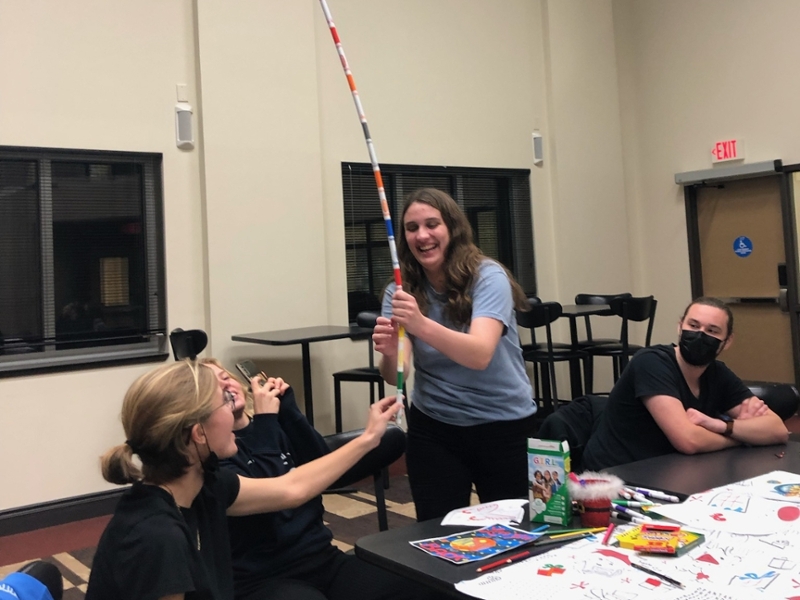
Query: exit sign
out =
(727, 150)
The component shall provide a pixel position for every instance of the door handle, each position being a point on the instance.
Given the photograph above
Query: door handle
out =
(752, 300)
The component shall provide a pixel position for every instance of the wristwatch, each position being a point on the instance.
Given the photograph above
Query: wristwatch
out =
(728, 429)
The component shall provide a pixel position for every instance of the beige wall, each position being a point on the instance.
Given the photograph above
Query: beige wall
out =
(626, 93)
(695, 72)
(99, 75)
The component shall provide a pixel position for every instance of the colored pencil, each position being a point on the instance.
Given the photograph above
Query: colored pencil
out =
(669, 580)
(607, 536)
(507, 561)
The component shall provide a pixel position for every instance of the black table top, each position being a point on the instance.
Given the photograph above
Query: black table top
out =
(303, 335)
(392, 551)
(684, 475)
(679, 474)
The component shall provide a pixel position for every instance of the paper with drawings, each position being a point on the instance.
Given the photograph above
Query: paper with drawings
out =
(759, 506)
(753, 552)
(585, 570)
(506, 512)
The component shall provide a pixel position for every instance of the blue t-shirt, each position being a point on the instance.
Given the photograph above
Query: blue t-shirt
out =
(458, 395)
(21, 586)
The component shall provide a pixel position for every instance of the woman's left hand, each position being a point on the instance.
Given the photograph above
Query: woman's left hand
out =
(266, 397)
(405, 312)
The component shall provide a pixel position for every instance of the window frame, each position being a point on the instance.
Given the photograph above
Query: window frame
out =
(153, 346)
(510, 214)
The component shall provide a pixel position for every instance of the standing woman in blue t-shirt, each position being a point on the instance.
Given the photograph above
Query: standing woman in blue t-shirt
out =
(472, 406)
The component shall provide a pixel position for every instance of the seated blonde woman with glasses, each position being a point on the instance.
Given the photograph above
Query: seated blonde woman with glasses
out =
(168, 538)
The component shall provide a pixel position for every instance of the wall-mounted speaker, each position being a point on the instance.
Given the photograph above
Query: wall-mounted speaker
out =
(184, 135)
(538, 148)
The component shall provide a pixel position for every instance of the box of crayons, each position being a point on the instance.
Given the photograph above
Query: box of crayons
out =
(656, 538)
(548, 468)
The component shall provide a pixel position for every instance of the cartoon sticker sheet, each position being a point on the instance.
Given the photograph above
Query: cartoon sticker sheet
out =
(752, 549)
(474, 545)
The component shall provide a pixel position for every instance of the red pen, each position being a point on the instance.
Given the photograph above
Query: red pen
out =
(503, 562)
(607, 535)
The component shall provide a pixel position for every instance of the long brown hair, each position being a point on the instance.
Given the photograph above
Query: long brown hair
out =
(158, 412)
(461, 263)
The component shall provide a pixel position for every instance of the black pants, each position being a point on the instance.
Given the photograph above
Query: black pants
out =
(445, 460)
(333, 575)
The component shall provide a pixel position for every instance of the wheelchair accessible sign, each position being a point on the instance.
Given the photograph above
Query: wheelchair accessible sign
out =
(743, 246)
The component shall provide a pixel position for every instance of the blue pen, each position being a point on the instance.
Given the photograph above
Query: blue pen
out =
(538, 529)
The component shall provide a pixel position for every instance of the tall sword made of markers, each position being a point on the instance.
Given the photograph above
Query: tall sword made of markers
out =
(376, 169)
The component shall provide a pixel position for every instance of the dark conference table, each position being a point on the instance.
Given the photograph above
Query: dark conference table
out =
(305, 336)
(680, 474)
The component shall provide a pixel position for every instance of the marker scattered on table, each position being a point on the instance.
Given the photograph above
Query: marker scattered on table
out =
(669, 580)
(658, 495)
(631, 513)
(635, 503)
(624, 517)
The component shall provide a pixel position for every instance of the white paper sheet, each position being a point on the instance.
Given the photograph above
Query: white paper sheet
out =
(506, 512)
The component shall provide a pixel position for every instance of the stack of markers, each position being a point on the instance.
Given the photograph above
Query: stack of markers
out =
(633, 498)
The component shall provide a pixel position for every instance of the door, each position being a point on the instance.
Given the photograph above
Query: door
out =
(740, 231)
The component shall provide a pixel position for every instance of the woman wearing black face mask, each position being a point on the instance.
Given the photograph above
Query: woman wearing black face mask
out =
(682, 399)
(168, 538)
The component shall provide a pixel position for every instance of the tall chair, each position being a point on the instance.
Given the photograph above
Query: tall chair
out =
(369, 374)
(630, 309)
(590, 341)
(187, 344)
(544, 355)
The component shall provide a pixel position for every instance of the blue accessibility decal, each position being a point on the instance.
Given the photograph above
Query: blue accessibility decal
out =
(743, 246)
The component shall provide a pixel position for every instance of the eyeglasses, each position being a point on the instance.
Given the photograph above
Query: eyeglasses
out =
(228, 399)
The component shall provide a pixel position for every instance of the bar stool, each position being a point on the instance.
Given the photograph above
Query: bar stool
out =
(545, 355)
(630, 309)
(369, 374)
(590, 341)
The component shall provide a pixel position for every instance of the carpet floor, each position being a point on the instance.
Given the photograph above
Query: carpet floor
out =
(349, 516)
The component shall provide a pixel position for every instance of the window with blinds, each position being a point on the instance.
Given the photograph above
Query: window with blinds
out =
(497, 203)
(81, 259)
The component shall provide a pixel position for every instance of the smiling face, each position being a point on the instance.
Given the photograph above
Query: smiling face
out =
(218, 427)
(427, 237)
(230, 384)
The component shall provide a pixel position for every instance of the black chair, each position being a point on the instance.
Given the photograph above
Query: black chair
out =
(630, 309)
(590, 341)
(574, 423)
(369, 374)
(375, 463)
(782, 398)
(544, 355)
(187, 344)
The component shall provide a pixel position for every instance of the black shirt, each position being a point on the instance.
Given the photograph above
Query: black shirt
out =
(627, 431)
(150, 548)
(287, 542)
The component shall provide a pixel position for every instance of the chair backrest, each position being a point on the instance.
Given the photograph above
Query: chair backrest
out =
(187, 344)
(583, 299)
(782, 398)
(541, 314)
(367, 320)
(574, 423)
(634, 309)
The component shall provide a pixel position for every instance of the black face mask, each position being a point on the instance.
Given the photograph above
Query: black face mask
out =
(698, 348)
